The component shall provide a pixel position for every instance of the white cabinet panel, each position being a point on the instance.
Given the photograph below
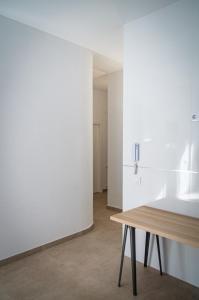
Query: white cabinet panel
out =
(161, 93)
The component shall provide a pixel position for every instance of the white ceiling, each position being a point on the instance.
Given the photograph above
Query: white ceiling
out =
(93, 24)
(101, 83)
(102, 66)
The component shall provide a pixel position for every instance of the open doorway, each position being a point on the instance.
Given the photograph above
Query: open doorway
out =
(107, 131)
(100, 130)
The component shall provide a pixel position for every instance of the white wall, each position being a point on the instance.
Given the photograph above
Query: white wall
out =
(161, 66)
(100, 116)
(115, 102)
(45, 136)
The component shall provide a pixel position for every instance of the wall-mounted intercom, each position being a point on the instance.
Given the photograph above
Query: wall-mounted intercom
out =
(136, 152)
(136, 156)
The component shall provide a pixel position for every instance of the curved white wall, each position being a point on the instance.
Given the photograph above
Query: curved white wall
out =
(45, 136)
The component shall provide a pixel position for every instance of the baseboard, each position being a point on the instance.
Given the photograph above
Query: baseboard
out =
(114, 208)
(43, 247)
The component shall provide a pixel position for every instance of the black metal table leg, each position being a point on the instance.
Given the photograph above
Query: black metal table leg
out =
(159, 256)
(147, 240)
(122, 255)
(133, 260)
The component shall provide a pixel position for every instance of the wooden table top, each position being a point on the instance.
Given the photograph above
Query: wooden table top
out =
(174, 226)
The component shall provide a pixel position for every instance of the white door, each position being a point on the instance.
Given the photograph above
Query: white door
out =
(96, 159)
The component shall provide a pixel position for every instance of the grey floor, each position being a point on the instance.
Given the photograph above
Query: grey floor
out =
(87, 268)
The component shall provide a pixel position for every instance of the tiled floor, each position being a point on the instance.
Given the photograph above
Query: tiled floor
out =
(86, 268)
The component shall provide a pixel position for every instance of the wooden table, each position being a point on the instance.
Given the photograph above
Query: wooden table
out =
(174, 226)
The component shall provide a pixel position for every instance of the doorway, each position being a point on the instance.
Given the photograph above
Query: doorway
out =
(100, 147)
(107, 130)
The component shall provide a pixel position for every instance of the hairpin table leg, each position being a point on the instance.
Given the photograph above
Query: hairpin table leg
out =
(147, 240)
(122, 255)
(133, 259)
(159, 256)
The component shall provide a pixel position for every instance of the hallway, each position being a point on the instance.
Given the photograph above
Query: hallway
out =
(86, 268)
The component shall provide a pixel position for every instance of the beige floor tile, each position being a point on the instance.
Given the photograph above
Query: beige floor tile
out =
(86, 268)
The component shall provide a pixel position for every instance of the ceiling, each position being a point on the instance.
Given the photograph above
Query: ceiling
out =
(102, 66)
(93, 24)
(101, 83)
